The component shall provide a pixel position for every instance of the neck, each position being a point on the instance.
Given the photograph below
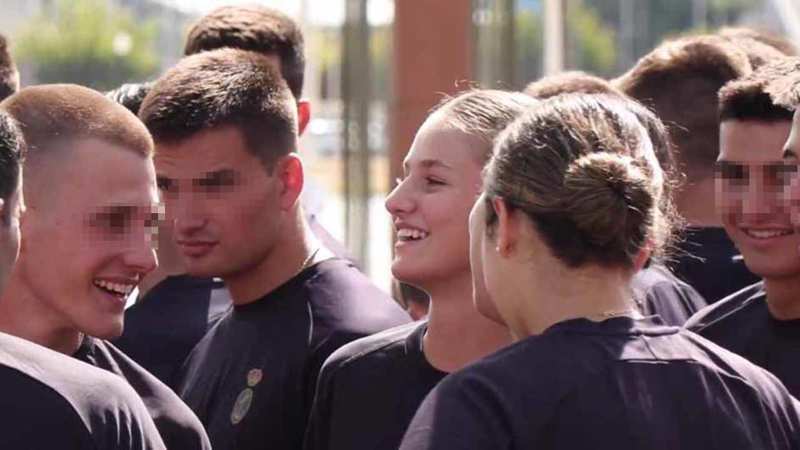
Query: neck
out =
(457, 334)
(283, 262)
(695, 203)
(25, 316)
(783, 297)
(592, 292)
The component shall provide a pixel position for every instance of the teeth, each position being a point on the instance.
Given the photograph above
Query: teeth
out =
(119, 288)
(411, 234)
(766, 234)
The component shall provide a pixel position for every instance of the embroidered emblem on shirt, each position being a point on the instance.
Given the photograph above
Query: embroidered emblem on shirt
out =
(254, 377)
(242, 406)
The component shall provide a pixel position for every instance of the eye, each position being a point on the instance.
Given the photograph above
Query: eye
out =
(731, 172)
(434, 181)
(164, 184)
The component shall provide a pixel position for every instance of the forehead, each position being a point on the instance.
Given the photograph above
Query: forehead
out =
(753, 140)
(205, 151)
(93, 172)
(438, 141)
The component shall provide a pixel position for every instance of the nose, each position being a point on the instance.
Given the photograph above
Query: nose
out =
(400, 201)
(760, 198)
(141, 256)
(186, 215)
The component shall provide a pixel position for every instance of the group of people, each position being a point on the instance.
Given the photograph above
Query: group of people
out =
(609, 264)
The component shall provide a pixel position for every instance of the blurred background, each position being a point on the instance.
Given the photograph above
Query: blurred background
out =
(374, 68)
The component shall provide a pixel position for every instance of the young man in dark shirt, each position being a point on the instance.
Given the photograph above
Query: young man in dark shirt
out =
(153, 337)
(49, 400)
(92, 205)
(694, 68)
(755, 169)
(225, 126)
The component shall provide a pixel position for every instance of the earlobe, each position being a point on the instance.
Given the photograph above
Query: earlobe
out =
(303, 116)
(643, 256)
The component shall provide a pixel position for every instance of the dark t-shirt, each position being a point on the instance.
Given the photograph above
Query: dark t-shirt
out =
(179, 427)
(658, 291)
(713, 265)
(251, 379)
(50, 401)
(618, 384)
(165, 325)
(743, 324)
(369, 390)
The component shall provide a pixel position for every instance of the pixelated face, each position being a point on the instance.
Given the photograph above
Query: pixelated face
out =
(223, 202)
(87, 236)
(752, 178)
(430, 205)
(481, 251)
(9, 233)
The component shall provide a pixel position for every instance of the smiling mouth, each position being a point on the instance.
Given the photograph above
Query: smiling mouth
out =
(409, 234)
(119, 290)
(767, 233)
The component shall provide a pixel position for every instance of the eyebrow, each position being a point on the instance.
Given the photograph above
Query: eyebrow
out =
(428, 164)
(218, 175)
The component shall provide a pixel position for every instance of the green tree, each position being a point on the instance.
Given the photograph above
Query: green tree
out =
(88, 42)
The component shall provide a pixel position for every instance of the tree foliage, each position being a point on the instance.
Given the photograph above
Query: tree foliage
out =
(88, 42)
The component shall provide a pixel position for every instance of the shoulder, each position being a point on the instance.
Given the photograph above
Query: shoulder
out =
(343, 297)
(370, 350)
(108, 407)
(726, 309)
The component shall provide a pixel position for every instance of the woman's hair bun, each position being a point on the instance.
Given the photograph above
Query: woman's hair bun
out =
(609, 199)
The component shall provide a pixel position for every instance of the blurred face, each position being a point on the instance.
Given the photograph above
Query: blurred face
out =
(752, 183)
(430, 205)
(481, 251)
(87, 234)
(9, 233)
(226, 208)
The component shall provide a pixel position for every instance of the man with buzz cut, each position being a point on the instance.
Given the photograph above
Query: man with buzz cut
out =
(48, 400)
(86, 239)
(225, 127)
(754, 173)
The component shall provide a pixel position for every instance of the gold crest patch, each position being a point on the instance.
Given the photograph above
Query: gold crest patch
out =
(242, 405)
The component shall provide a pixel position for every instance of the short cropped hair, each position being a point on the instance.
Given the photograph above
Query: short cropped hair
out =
(9, 76)
(680, 80)
(748, 98)
(224, 87)
(255, 28)
(786, 91)
(130, 95)
(12, 152)
(572, 82)
(783, 45)
(51, 114)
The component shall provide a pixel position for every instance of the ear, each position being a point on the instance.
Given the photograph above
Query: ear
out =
(289, 171)
(303, 116)
(507, 228)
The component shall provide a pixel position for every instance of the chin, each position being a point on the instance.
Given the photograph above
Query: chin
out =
(108, 330)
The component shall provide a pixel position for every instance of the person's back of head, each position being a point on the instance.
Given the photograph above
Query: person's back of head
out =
(680, 80)
(9, 76)
(760, 46)
(256, 28)
(130, 95)
(12, 152)
(583, 169)
(572, 82)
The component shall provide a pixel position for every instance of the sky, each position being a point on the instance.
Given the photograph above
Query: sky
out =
(321, 12)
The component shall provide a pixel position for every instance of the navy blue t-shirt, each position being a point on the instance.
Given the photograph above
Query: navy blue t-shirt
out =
(179, 427)
(51, 401)
(659, 292)
(712, 264)
(251, 379)
(369, 390)
(166, 323)
(619, 384)
(743, 324)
